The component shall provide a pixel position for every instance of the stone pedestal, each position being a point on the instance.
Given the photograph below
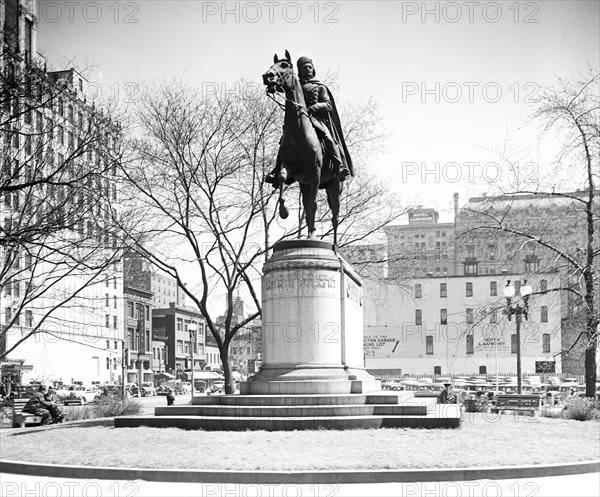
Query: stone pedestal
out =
(312, 324)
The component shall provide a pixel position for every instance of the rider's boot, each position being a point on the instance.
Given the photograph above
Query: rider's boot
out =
(271, 178)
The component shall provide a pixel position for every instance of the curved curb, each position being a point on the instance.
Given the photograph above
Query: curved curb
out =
(300, 477)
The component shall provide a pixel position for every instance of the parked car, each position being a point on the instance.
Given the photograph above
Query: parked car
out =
(175, 385)
(217, 386)
(392, 384)
(186, 387)
(78, 394)
(147, 389)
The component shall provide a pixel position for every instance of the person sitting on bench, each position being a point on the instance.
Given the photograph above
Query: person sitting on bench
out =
(41, 404)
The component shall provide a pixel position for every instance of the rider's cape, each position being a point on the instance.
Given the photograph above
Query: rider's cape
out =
(336, 127)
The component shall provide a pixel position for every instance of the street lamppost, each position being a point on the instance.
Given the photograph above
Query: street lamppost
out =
(192, 331)
(519, 307)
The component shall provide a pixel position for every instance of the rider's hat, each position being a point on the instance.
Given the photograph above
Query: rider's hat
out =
(304, 60)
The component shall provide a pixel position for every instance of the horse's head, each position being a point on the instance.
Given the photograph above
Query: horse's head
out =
(279, 74)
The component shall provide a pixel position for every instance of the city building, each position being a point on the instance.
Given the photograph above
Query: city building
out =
(421, 247)
(416, 257)
(183, 331)
(245, 349)
(61, 288)
(457, 325)
(213, 356)
(140, 349)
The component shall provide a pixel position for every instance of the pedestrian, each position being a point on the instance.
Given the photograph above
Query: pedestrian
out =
(170, 397)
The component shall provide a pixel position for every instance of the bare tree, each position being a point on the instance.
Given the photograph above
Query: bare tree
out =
(555, 226)
(194, 181)
(58, 191)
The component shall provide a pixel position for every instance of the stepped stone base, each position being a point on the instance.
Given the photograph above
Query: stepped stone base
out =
(301, 412)
(309, 380)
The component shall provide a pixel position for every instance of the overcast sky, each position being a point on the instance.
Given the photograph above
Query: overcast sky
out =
(452, 79)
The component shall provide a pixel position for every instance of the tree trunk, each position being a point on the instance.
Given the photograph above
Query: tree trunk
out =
(229, 389)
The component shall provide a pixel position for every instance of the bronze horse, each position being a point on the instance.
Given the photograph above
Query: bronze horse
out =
(300, 152)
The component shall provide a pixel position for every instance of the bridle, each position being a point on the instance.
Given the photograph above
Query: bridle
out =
(300, 108)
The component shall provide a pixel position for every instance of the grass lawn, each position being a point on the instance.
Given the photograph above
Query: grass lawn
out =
(482, 440)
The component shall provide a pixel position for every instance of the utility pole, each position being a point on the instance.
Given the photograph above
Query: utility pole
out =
(192, 331)
(124, 361)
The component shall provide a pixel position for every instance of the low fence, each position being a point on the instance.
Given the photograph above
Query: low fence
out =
(489, 376)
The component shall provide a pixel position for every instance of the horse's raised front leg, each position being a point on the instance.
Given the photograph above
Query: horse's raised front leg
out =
(334, 190)
(309, 201)
(281, 178)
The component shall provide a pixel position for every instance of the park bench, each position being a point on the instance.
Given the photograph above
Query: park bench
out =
(20, 418)
(520, 403)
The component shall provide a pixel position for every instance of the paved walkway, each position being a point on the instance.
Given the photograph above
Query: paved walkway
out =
(560, 486)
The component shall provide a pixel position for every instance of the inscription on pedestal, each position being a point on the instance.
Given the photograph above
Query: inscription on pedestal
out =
(301, 284)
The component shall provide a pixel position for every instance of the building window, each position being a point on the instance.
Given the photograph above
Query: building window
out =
(115, 327)
(429, 344)
(470, 344)
(115, 301)
(482, 369)
(469, 315)
(544, 314)
(469, 289)
(443, 290)
(492, 252)
(107, 320)
(471, 268)
(493, 289)
(546, 343)
(470, 251)
(444, 316)
(418, 291)
(180, 346)
(418, 317)
(106, 301)
(147, 313)
(129, 309)
(108, 363)
(543, 286)
(437, 370)
(513, 343)
(179, 324)
(29, 318)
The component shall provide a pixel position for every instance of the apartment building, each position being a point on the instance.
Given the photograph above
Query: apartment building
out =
(59, 256)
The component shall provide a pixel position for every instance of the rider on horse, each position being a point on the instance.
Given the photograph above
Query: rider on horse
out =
(325, 119)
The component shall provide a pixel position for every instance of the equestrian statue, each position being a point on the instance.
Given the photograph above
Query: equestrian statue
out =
(312, 150)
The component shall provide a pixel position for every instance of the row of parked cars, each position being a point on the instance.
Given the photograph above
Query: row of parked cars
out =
(530, 384)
